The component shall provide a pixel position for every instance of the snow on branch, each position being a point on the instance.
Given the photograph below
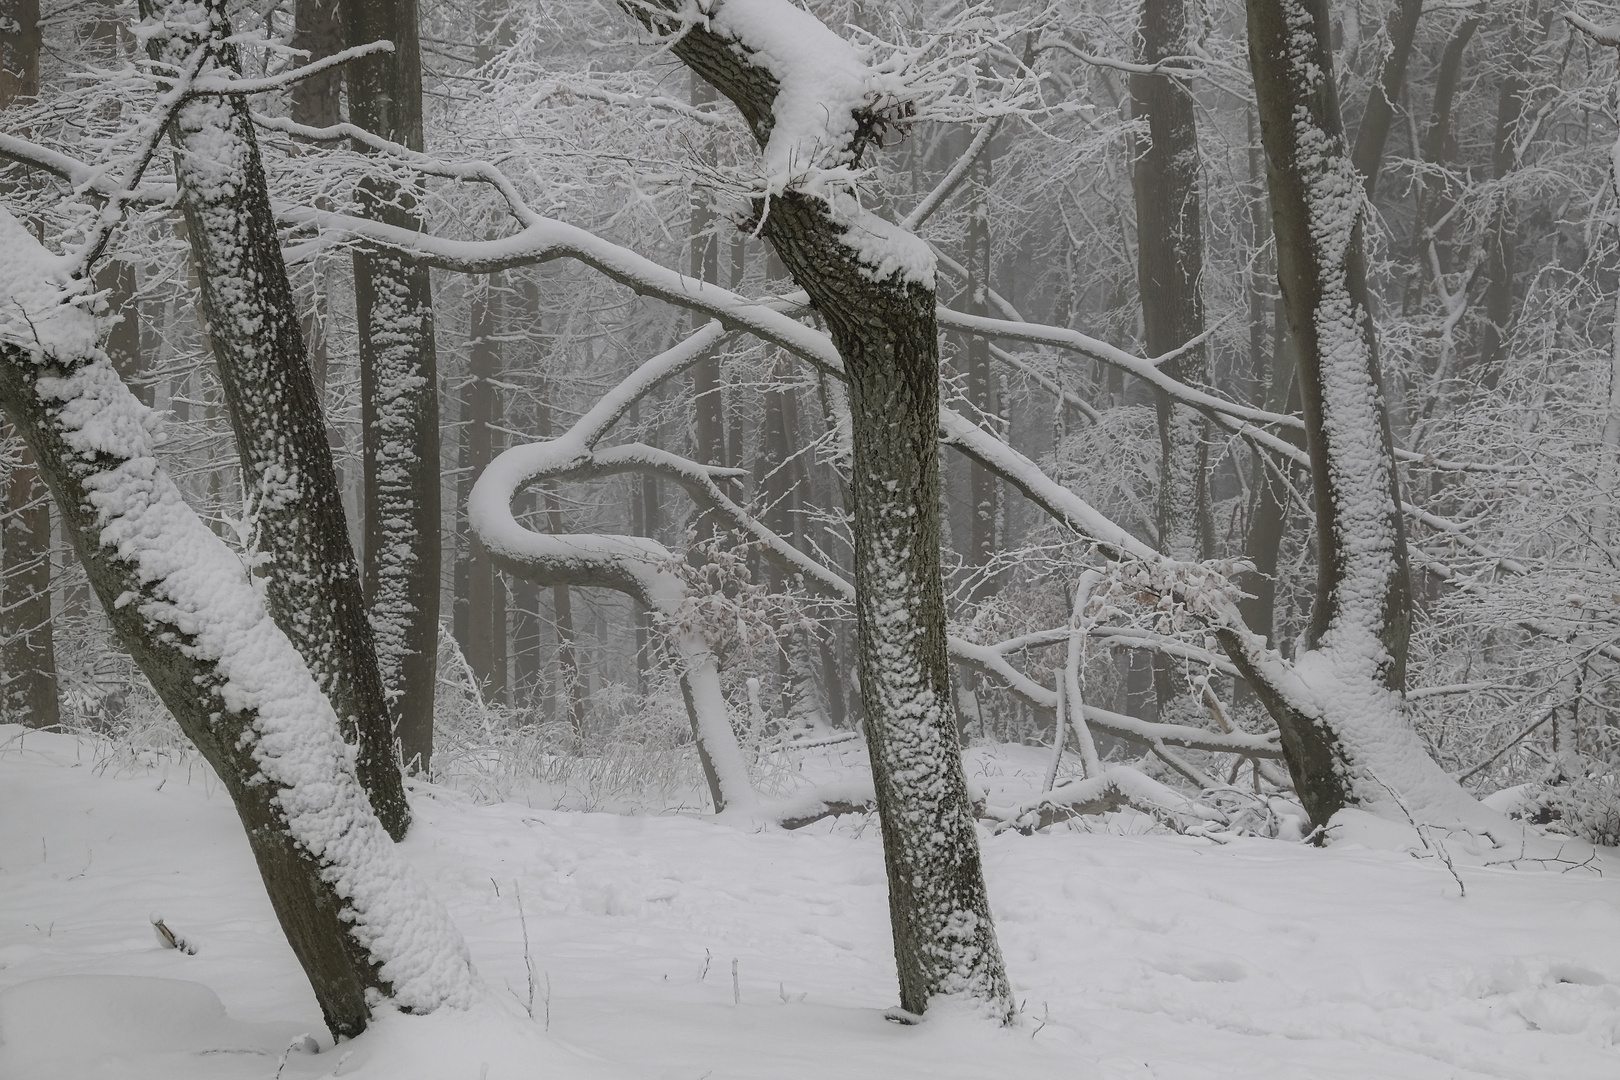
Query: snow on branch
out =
(182, 601)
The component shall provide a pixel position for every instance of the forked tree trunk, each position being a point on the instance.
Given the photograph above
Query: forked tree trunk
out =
(359, 922)
(399, 393)
(312, 581)
(883, 324)
(1358, 745)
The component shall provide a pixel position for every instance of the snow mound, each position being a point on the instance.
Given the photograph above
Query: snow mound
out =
(78, 1027)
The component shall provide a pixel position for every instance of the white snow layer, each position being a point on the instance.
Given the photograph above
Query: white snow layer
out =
(199, 587)
(1136, 956)
(823, 82)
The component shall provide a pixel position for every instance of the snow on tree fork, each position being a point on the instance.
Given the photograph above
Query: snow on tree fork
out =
(355, 914)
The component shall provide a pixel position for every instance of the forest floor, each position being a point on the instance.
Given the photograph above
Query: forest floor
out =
(674, 948)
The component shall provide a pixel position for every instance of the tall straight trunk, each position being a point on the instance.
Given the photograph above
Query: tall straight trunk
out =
(703, 263)
(316, 102)
(984, 487)
(27, 634)
(1373, 133)
(180, 601)
(312, 581)
(1272, 374)
(1501, 231)
(480, 616)
(1358, 745)
(27, 645)
(1170, 264)
(882, 321)
(1435, 192)
(399, 392)
(571, 691)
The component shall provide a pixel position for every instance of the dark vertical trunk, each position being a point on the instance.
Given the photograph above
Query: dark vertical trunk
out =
(571, 691)
(480, 616)
(1373, 133)
(1501, 232)
(984, 487)
(27, 647)
(399, 392)
(1170, 263)
(1435, 194)
(27, 642)
(703, 263)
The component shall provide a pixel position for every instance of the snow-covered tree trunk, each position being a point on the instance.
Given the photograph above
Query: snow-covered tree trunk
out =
(803, 92)
(1357, 746)
(184, 605)
(399, 393)
(294, 509)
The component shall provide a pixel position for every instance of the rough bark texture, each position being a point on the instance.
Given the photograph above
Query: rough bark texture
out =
(1373, 133)
(399, 394)
(312, 580)
(885, 332)
(1170, 264)
(310, 911)
(984, 489)
(27, 645)
(480, 613)
(27, 641)
(1362, 613)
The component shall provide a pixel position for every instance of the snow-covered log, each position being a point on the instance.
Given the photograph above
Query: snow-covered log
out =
(359, 920)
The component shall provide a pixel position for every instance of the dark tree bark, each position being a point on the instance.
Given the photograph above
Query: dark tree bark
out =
(179, 600)
(313, 583)
(1439, 146)
(885, 332)
(1170, 264)
(1501, 232)
(984, 488)
(399, 394)
(480, 613)
(571, 687)
(27, 633)
(1361, 617)
(27, 646)
(1373, 133)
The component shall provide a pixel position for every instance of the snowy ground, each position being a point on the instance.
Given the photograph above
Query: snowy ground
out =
(1135, 955)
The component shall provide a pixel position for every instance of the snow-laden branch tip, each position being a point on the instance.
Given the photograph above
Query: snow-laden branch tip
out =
(282, 80)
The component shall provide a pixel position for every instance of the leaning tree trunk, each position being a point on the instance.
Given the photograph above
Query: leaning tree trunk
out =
(181, 601)
(874, 286)
(399, 393)
(984, 487)
(312, 581)
(1358, 746)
